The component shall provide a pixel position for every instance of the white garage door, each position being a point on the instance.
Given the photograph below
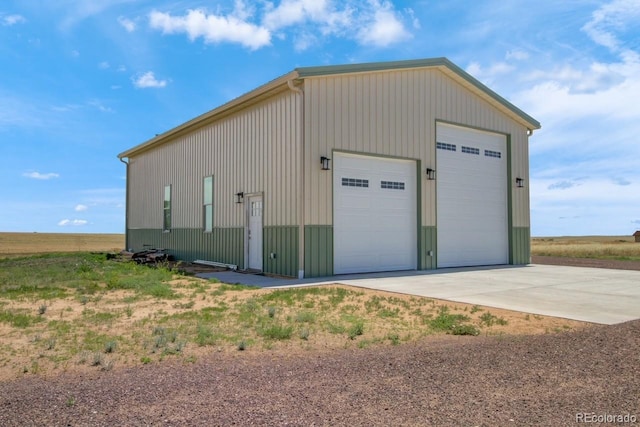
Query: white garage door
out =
(375, 214)
(471, 197)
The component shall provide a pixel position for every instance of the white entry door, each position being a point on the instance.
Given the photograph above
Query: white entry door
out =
(254, 232)
(374, 214)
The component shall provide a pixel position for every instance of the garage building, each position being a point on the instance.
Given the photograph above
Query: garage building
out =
(341, 169)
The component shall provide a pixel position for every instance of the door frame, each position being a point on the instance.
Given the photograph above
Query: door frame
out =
(248, 198)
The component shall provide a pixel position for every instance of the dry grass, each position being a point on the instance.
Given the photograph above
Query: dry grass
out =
(599, 247)
(80, 312)
(18, 244)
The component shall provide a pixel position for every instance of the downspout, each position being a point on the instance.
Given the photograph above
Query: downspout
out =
(301, 182)
(126, 207)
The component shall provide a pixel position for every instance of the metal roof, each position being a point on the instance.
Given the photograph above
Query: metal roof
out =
(280, 83)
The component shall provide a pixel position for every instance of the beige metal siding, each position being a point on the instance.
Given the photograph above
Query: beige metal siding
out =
(254, 150)
(394, 113)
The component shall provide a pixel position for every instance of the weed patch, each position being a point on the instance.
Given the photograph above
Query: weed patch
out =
(446, 321)
(18, 320)
(489, 320)
(276, 331)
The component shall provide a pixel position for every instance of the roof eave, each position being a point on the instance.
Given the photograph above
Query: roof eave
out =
(212, 114)
(309, 72)
(441, 62)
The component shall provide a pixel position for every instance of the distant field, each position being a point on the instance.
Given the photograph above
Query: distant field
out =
(600, 247)
(12, 244)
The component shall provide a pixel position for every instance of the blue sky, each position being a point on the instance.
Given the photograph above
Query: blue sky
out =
(83, 80)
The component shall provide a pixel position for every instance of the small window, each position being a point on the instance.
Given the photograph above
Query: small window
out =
(392, 185)
(445, 146)
(470, 150)
(166, 223)
(256, 208)
(355, 182)
(207, 203)
(491, 153)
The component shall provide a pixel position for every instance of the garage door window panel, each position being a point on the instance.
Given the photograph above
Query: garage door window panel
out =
(470, 150)
(392, 185)
(355, 182)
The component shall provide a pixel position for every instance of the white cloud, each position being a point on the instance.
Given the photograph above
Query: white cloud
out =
(303, 41)
(384, 27)
(415, 22)
(602, 90)
(104, 196)
(103, 65)
(597, 206)
(609, 19)
(100, 106)
(319, 12)
(74, 11)
(148, 80)
(212, 28)
(127, 24)
(561, 185)
(81, 208)
(368, 22)
(488, 75)
(72, 222)
(584, 176)
(42, 176)
(517, 54)
(10, 20)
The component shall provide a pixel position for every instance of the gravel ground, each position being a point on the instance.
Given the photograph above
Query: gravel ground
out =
(493, 381)
(490, 381)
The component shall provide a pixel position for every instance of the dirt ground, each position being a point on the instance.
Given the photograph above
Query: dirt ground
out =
(586, 262)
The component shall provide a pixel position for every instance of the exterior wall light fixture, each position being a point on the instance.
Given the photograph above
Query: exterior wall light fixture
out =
(239, 197)
(519, 182)
(431, 174)
(324, 161)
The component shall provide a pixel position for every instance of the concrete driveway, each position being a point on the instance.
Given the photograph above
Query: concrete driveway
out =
(588, 294)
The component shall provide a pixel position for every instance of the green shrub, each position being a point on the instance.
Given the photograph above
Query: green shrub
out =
(489, 319)
(394, 338)
(446, 321)
(304, 334)
(465, 330)
(110, 346)
(276, 331)
(205, 335)
(356, 329)
(18, 320)
(305, 317)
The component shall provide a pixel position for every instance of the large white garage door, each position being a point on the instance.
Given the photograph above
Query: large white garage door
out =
(375, 214)
(471, 197)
